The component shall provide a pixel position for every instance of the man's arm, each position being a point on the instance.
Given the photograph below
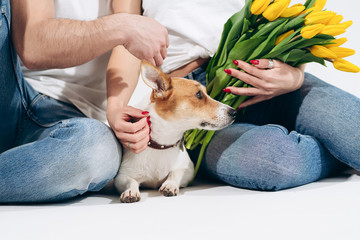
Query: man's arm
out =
(45, 42)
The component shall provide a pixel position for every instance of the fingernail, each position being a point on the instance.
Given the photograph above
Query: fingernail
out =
(236, 62)
(228, 71)
(145, 112)
(148, 118)
(255, 62)
(227, 90)
(240, 108)
(149, 130)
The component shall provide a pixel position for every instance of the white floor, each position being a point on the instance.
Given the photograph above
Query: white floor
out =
(328, 209)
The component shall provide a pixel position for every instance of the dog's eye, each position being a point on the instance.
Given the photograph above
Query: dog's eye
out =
(199, 95)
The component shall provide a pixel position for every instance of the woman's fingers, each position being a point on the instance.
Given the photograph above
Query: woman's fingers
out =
(250, 69)
(266, 63)
(253, 80)
(136, 147)
(245, 91)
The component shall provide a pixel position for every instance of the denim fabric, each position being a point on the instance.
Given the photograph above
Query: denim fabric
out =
(288, 141)
(48, 150)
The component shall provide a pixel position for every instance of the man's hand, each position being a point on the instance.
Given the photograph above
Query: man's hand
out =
(131, 126)
(146, 39)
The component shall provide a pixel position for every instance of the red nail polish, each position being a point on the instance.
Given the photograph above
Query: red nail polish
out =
(227, 90)
(228, 71)
(236, 62)
(145, 112)
(149, 130)
(148, 118)
(240, 108)
(255, 62)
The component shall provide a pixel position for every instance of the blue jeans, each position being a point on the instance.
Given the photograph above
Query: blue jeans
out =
(288, 141)
(49, 151)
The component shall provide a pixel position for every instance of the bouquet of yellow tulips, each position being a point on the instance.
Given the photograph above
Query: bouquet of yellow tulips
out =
(270, 29)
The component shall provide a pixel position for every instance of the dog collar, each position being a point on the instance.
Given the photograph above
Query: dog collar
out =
(158, 146)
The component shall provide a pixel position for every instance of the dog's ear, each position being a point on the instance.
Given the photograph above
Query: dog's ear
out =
(156, 79)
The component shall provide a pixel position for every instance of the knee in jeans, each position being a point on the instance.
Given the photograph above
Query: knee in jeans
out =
(264, 158)
(98, 151)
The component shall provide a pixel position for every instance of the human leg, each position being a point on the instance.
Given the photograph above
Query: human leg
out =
(44, 157)
(332, 116)
(10, 94)
(267, 157)
(65, 160)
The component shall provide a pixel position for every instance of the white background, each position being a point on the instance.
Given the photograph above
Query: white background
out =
(327, 209)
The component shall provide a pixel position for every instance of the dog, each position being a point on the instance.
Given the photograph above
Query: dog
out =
(175, 106)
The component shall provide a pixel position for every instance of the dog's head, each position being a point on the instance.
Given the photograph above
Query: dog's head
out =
(185, 101)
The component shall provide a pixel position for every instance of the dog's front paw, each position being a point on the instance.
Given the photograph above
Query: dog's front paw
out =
(169, 189)
(130, 196)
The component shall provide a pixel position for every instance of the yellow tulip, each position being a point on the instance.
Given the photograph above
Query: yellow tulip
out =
(259, 6)
(342, 52)
(323, 52)
(319, 17)
(333, 30)
(311, 30)
(276, 9)
(282, 37)
(346, 24)
(312, 9)
(293, 10)
(337, 42)
(345, 66)
(335, 20)
(319, 5)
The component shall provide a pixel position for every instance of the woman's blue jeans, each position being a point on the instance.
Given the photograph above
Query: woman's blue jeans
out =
(48, 150)
(288, 141)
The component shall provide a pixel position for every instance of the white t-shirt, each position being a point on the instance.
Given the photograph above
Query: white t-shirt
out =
(84, 85)
(194, 27)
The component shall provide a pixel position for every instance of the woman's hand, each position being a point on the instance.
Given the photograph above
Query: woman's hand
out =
(131, 126)
(267, 83)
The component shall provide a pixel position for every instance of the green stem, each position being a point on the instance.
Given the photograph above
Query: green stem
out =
(206, 142)
(193, 135)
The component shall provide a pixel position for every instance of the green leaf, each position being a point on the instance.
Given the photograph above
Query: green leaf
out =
(231, 33)
(268, 44)
(325, 36)
(246, 26)
(242, 50)
(292, 56)
(268, 27)
(307, 58)
(309, 3)
(300, 44)
(294, 23)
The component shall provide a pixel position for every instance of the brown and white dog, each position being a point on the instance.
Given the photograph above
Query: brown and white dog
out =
(175, 106)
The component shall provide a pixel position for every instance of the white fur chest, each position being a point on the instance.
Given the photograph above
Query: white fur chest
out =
(151, 167)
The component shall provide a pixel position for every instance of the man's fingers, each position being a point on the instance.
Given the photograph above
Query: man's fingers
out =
(158, 59)
(163, 52)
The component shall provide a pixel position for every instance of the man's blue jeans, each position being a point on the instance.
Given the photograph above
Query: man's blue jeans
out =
(288, 141)
(48, 150)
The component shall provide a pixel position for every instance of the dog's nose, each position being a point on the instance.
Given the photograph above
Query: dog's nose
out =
(232, 113)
